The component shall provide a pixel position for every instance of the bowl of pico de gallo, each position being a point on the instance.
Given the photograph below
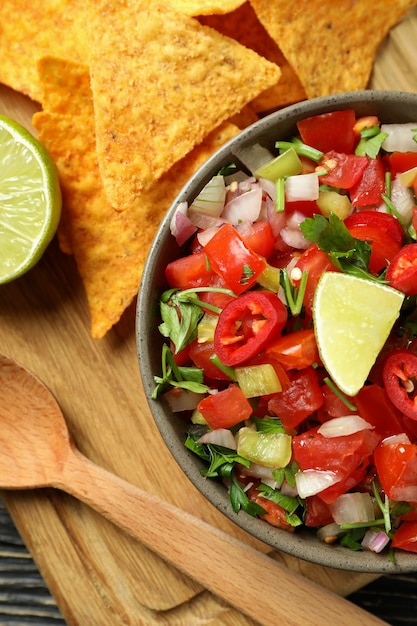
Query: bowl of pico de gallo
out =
(277, 330)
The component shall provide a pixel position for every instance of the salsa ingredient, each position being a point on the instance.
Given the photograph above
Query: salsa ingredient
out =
(292, 337)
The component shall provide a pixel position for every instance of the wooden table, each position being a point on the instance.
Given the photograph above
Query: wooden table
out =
(96, 573)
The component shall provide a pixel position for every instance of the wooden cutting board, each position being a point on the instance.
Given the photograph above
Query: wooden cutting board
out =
(97, 574)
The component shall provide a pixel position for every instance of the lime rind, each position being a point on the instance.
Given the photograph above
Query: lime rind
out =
(352, 318)
(30, 200)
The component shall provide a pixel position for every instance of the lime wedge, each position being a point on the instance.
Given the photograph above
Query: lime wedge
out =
(352, 320)
(30, 200)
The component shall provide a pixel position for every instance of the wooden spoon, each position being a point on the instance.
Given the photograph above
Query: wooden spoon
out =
(36, 450)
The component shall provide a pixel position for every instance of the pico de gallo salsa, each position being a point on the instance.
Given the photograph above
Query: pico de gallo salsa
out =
(241, 362)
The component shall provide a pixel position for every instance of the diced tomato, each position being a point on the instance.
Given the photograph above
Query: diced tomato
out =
(384, 247)
(246, 324)
(396, 464)
(183, 356)
(317, 512)
(314, 261)
(398, 162)
(375, 408)
(295, 350)
(344, 170)
(305, 207)
(259, 238)
(216, 298)
(229, 257)
(384, 221)
(225, 408)
(275, 514)
(189, 271)
(346, 455)
(200, 354)
(298, 400)
(333, 405)
(369, 189)
(329, 131)
(405, 537)
(345, 484)
(402, 271)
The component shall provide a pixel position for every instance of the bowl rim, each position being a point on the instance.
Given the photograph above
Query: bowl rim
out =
(303, 545)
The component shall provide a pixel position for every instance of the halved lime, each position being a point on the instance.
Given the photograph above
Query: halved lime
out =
(353, 318)
(30, 200)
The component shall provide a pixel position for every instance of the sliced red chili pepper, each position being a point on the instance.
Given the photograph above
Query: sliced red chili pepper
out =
(329, 131)
(399, 375)
(246, 324)
(225, 408)
(229, 257)
(344, 170)
(402, 271)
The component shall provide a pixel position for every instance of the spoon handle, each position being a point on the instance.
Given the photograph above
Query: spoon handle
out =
(250, 581)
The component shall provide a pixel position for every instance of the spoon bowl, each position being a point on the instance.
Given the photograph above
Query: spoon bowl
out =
(36, 450)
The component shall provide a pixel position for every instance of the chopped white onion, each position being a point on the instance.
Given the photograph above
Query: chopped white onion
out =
(204, 236)
(402, 199)
(375, 540)
(269, 187)
(329, 532)
(277, 220)
(400, 137)
(211, 198)
(179, 399)
(345, 425)
(394, 439)
(219, 437)
(181, 226)
(302, 187)
(244, 207)
(291, 233)
(406, 493)
(310, 482)
(350, 508)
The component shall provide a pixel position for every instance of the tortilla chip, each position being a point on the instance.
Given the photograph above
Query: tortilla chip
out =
(244, 26)
(32, 29)
(205, 7)
(331, 45)
(109, 247)
(64, 86)
(161, 82)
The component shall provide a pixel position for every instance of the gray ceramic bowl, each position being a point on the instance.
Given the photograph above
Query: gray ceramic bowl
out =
(389, 107)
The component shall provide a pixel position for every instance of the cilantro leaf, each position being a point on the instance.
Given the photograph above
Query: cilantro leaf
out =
(347, 253)
(268, 425)
(221, 460)
(370, 142)
(239, 500)
(188, 378)
(179, 319)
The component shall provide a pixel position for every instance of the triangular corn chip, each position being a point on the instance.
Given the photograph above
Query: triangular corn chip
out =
(330, 45)
(161, 82)
(109, 247)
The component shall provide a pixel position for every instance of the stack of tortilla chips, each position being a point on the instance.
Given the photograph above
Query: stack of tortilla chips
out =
(136, 94)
